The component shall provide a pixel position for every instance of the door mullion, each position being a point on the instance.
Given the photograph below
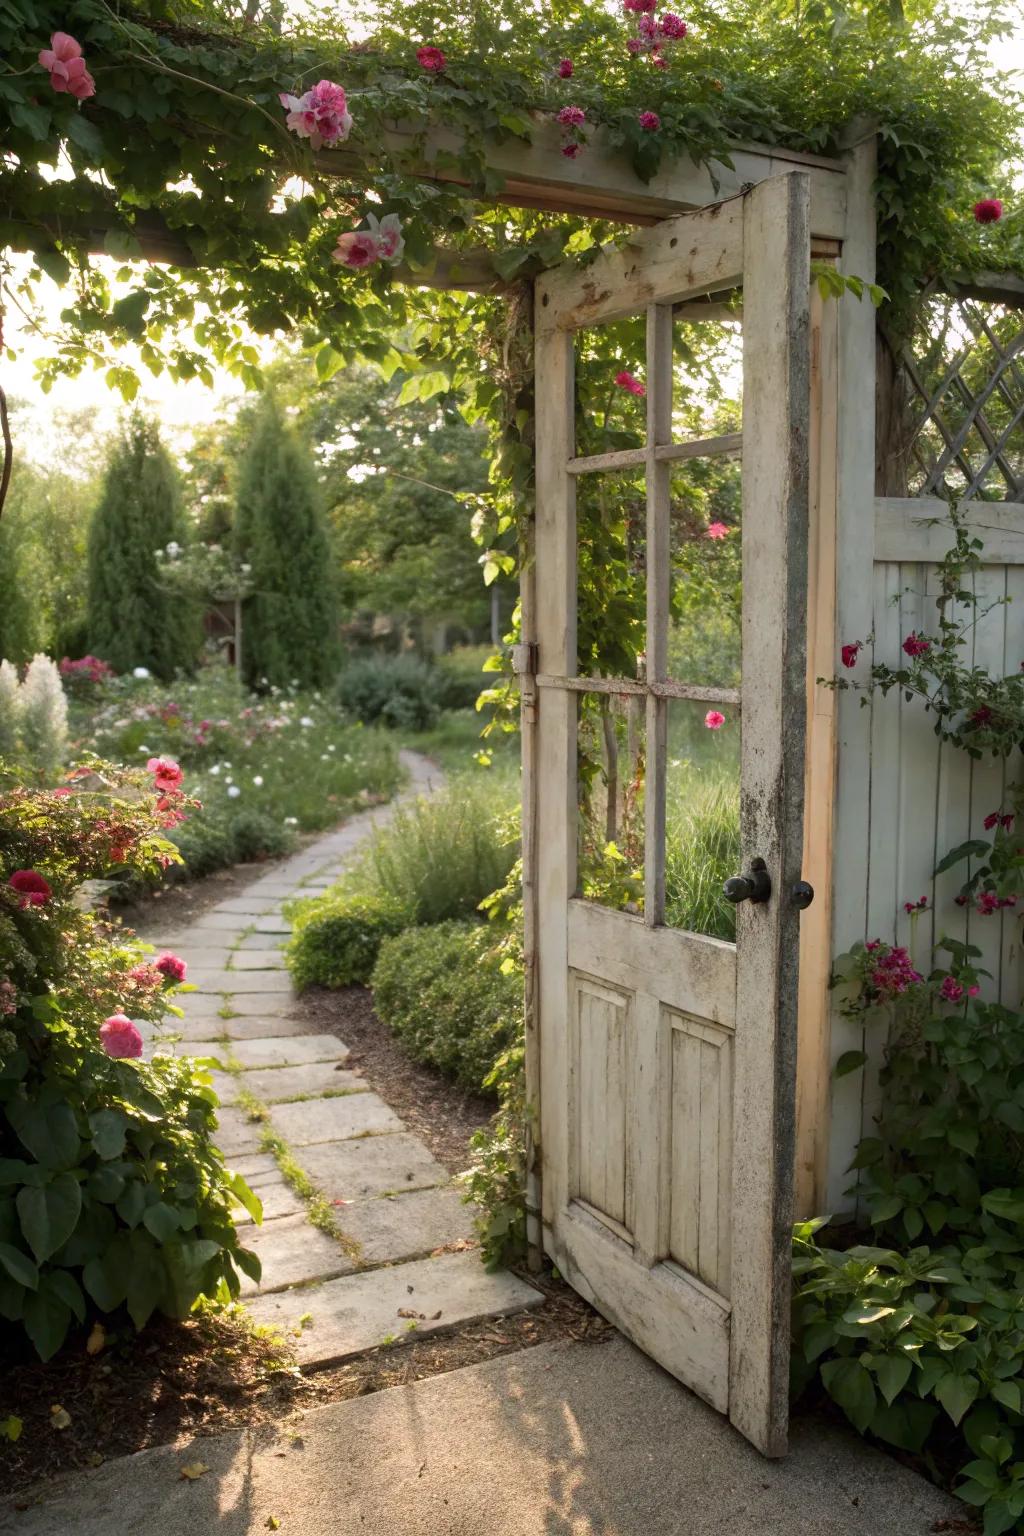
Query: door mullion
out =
(659, 433)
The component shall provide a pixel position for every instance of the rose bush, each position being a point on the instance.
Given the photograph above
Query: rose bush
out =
(112, 1194)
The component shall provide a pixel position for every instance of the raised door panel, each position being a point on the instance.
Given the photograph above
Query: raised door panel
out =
(600, 1023)
(700, 1142)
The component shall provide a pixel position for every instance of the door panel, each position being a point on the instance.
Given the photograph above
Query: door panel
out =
(667, 1054)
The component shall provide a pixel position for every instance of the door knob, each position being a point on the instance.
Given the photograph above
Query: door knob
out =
(755, 886)
(802, 895)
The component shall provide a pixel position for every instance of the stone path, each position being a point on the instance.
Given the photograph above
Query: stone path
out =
(385, 1255)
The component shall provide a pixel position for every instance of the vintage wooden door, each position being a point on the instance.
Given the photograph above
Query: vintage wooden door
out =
(667, 1056)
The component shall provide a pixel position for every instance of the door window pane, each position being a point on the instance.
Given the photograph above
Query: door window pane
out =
(702, 815)
(611, 784)
(611, 536)
(705, 597)
(610, 387)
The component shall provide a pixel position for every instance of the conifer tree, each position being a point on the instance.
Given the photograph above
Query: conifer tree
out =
(290, 621)
(134, 620)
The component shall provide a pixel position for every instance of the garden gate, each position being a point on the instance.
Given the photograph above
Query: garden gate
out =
(668, 1058)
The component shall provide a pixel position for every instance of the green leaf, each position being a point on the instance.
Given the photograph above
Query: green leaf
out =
(328, 362)
(19, 1266)
(49, 1215)
(66, 1287)
(146, 1280)
(48, 1131)
(109, 1128)
(106, 1277)
(956, 1394)
(852, 1388)
(47, 1319)
(849, 1062)
(86, 135)
(892, 1372)
(131, 1204)
(1007, 1393)
(162, 1220)
(246, 1197)
(974, 848)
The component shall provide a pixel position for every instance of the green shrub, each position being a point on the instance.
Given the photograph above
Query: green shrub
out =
(112, 1192)
(216, 838)
(443, 991)
(335, 939)
(461, 676)
(702, 849)
(402, 692)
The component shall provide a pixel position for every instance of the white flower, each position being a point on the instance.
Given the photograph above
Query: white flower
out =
(332, 747)
(143, 749)
(215, 769)
(140, 672)
(291, 821)
(388, 234)
(257, 779)
(324, 758)
(174, 549)
(233, 791)
(305, 720)
(245, 569)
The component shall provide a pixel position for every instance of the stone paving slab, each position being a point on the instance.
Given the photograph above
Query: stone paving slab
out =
(258, 959)
(327, 1120)
(277, 1198)
(273, 983)
(275, 1085)
(371, 1165)
(257, 1168)
(407, 1226)
(248, 904)
(258, 941)
(359, 1312)
(263, 1028)
(214, 922)
(253, 1004)
(288, 1051)
(271, 925)
(236, 1133)
(200, 1005)
(293, 1253)
(207, 979)
(190, 1029)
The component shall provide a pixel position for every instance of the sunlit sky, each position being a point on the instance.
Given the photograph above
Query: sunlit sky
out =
(178, 406)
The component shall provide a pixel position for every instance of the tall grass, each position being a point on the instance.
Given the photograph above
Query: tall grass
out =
(702, 851)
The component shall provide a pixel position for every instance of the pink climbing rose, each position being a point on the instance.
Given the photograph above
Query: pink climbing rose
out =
(321, 115)
(565, 69)
(851, 652)
(119, 1037)
(388, 234)
(570, 151)
(572, 117)
(672, 26)
(718, 530)
(639, 5)
(714, 719)
(66, 67)
(432, 60)
(166, 772)
(989, 210)
(650, 122)
(357, 249)
(629, 382)
(31, 887)
(170, 966)
(916, 645)
(951, 991)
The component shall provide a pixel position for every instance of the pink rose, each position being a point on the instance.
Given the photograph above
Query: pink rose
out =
(988, 211)
(718, 531)
(629, 382)
(565, 69)
(916, 645)
(570, 151)
(951, 991)
(170, 966)
(321, 115)
(356, 250)
(650, 122)
(63, 59)
(432, 60)
(572, 117)
(850, 653)
(672, 26)
(714, 720)
(31, 887)
(166, 772)
(119, 1037)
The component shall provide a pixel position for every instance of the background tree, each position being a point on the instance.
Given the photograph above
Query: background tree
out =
(133, 618)
(291, 619)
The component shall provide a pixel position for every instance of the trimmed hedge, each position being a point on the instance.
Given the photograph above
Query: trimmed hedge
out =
(335, 939)
(444, 993)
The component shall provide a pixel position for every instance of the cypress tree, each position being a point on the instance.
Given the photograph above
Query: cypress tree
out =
(133, 619)
(290, 627)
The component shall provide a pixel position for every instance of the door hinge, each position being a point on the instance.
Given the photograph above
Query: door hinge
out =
(524, 660)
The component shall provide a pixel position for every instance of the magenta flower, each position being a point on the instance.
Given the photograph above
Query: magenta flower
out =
(991, 820)
(639, 5)
(850, 653)
(951, 991)
(170, 966)
(647, 28)
(31, 887)
(565, 69)
(432, 60)
(650, 122)
(916, 906)
(718, 531)
(321, 115)
(714, 720)
(356, 250)
(572, 117)
(894, 973)
(63, 59)
(916, 645)
(570, 151)
(672, 27)
(657, 62)
(636, 44)
(981, 716)
(988, 211)
(629, 382)
(166, 772)
(119, 1037)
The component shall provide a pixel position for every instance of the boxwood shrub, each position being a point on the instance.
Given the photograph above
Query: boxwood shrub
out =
(444, 992)
(335, 939)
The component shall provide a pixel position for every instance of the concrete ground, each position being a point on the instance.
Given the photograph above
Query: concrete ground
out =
(561, 1440)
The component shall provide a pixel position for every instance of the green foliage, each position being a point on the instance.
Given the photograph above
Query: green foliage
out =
(133, 620)
(290, 621)
(402, 692)
(495, 1184)
(444, 992)
(43, 535)
(112, 1194)
(336, 938)
(702, 849)
(461, 675)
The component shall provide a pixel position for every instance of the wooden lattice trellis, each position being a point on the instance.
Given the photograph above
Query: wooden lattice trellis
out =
(963, 401)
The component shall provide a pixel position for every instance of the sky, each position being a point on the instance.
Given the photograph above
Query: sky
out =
(41, 419)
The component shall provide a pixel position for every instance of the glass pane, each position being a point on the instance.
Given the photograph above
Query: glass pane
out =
(706, 572)
(611, 771)
(702, 815)
(611, 534)
(707, 372)
(611, 408)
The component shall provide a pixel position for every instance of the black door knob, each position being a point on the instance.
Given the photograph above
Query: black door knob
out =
(754, 886)
(802, 895)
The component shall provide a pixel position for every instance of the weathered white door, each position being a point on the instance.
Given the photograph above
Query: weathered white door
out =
(667, 1056)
